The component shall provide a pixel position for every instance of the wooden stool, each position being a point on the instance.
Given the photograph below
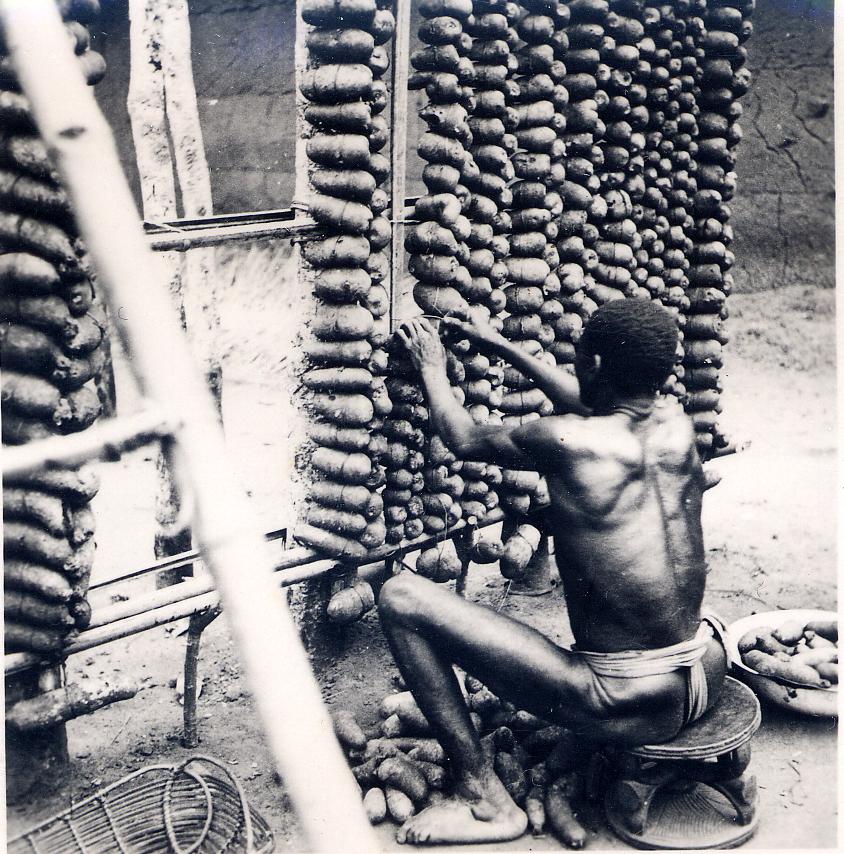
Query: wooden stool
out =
(694, 791)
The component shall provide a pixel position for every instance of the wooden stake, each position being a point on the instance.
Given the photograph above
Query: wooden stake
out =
(199, 291)
(287, 696)
(148, 116)
(398, 150)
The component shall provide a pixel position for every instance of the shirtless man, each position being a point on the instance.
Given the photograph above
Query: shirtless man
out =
(626, 483)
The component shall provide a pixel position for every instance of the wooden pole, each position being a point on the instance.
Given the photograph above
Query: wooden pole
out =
(148, 117)
(287, 696)
(398, 150)
(199, 291)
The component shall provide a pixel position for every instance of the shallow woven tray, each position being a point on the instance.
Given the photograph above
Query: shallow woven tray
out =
(194, 807)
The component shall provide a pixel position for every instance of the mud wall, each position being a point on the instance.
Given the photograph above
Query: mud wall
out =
(243, 66)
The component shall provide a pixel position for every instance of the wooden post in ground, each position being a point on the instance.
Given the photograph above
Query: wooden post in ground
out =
(398, 150)
(148, 116)
(307, 601)
(199, 291)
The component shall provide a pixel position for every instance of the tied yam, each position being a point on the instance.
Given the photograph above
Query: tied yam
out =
(351, 603)
(342, 467)
(338, 13)
(28, 608)
(353, 117)
(330, 544)
(353, 45)
(49, 584)
(20, 271)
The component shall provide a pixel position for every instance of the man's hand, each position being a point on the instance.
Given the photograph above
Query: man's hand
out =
(478, 330)
(423, 344)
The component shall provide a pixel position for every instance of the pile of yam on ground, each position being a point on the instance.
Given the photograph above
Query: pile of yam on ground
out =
(798, 651)
(53, 351)
(401, 768)
(575, 153)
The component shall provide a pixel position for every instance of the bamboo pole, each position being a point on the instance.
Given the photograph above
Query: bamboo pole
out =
(148, 117)
(398, 150)
(287, 696)
(107, 439)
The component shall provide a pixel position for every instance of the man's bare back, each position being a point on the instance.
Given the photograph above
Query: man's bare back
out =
(625, 506)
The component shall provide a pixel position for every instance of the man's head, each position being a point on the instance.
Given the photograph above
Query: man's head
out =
(628, 347)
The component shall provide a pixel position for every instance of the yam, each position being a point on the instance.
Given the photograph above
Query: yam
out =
(35, 235)
(39, 508)
(49, 584)
(441, 150)
(375, 805)
(428, 751)
(512, 775)
(439, 301)
(383, 26)
(30, 609)
(535, 809)
(42, 198)
(825, 628)
(354, 117)
(348, 730)
(828, 671)
(343, 467)
(440, 563)
(20, 637)
(338, 13)
(399, 805)
(788, 633)
(342, 323)
(767, 665)
(344, 150)
(561, 818)
(350, 603)
(342, 284)
(813, 657)
(351, 44)
(337, 521)
(27, 154)
(339, 352)
(400, 773)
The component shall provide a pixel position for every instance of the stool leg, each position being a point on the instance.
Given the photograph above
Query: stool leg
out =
(734, 763)
(633, 799)
(743, 793)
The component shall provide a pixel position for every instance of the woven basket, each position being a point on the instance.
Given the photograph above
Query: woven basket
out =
(195, 807)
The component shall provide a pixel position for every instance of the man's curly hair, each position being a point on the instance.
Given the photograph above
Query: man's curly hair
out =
(636, 340)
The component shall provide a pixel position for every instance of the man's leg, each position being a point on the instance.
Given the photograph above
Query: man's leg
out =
(429, 629)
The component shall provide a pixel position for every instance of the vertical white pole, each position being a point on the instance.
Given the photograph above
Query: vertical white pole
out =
(398, 149)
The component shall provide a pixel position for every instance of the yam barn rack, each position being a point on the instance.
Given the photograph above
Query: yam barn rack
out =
(575, 153)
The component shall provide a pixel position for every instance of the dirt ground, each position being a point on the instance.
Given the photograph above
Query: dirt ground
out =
(770, 536)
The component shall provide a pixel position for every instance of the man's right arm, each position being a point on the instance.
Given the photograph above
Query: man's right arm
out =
(562, 389)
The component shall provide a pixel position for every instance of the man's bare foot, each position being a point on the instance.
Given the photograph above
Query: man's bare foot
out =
(493, 817)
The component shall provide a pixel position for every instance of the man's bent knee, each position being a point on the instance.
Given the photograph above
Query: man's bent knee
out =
(401, 596)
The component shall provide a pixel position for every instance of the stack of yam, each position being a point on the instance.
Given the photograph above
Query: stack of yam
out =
(445, 252)
(53, 352)
(347, 96)
(724, 78)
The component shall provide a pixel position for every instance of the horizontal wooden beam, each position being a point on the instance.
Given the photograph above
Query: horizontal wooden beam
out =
(181, 600)
(179, 235)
